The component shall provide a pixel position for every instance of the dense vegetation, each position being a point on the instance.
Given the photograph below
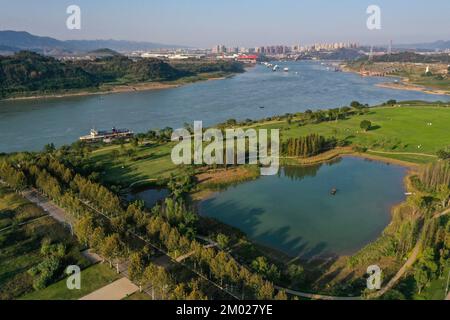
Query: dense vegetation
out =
(116, 67)
(117, 232)
(208, 67)
(28, 72)
(172, 227)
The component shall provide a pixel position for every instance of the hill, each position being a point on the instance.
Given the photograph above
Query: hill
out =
(104, 52)
(31, 72)
(26, 41)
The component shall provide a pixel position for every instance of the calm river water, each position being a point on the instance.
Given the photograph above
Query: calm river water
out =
(258, 93)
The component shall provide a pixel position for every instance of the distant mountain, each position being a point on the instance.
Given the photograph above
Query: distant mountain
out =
(25, 41)
(437, 45)
(8, 50)
(117, 45)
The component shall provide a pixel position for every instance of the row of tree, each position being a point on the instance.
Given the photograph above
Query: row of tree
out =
(161, 229)
(307, 146)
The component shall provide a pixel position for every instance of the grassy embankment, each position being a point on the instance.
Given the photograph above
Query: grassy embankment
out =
(411, 134)
(414, 76)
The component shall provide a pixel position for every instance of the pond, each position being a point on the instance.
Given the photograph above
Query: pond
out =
(295, 211)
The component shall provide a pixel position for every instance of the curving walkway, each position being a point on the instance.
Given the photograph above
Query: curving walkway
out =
(404, 153)
(314, 296)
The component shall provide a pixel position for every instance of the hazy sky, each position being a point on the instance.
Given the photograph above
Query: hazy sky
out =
(205, 23)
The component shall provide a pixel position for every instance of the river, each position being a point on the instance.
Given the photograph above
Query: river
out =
(30, 124)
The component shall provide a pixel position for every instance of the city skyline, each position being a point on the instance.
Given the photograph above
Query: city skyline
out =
(250, 24)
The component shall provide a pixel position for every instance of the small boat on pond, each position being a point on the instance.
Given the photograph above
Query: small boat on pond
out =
(334, 191)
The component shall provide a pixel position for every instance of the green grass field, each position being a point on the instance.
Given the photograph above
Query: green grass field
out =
(149, 162)
(422, 130)
(408, 133)
(92, 278)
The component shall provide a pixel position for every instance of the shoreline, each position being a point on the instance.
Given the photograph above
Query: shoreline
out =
(406, 86)
(402, 84)
(284, 258)
(135, 87)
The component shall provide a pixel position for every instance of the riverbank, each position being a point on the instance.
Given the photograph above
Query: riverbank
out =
(404, 83)
(123, 88)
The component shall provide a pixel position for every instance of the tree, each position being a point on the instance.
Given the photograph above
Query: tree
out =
(111, 247)
(443, 194)
(222, 240)
(49, 148)
(391, 102)
(263, 267)
(179, 293)
(265, 291)
(356, 105)
(421, 277)
(296, 274)
(84, 228)
(365, 125)
(281, 295)
(425, 268)
(136, 267)
(158, 278)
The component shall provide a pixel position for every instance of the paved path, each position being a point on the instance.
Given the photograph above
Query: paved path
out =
(53, 210)
(115, 291)
(315, 296)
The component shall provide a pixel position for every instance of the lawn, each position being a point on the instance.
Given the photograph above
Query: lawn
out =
(148, 162)
(421, 129)
(397, 130)
(92, 278)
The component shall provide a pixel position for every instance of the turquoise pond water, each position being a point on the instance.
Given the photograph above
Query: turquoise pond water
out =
(295, 212)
